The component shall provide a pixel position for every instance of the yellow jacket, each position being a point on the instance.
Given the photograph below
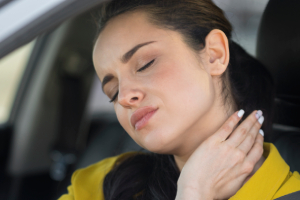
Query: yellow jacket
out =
(272, 180)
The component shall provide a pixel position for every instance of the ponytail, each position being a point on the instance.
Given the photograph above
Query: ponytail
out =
(251, 85)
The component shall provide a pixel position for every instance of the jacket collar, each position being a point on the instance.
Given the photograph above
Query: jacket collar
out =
(267, 179)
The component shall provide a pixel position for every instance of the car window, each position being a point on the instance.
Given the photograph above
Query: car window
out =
(245, 17)
(21, 13)
(12, 68)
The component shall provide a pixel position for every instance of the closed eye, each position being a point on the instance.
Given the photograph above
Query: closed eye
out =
(141, 69)
(146, 66)
(114, 97)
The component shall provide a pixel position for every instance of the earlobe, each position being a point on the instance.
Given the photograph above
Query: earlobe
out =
(217, 50)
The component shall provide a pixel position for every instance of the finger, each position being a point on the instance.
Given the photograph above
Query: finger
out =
(227, 128)
(248, 142)
(256, 151)
(240, 133)
(260, 137)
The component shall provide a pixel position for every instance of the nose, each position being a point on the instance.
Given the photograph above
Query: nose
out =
(130, 95)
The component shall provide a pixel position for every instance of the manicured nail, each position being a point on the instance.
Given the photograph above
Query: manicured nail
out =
(241, 113)
(258, 114)
(261, 119)
(261, 132)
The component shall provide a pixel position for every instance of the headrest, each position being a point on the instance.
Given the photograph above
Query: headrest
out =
(278, 47)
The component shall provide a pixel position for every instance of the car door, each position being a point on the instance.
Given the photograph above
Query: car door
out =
(31, 33)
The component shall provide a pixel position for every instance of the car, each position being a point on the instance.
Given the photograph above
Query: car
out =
(55, 119)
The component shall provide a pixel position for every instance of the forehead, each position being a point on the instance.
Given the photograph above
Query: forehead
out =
(120, 35)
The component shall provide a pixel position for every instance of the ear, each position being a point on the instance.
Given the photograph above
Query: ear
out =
(216, 52)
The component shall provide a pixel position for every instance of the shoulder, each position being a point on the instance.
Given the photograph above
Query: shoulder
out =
(100, 168)
(290, 181)
(86, 183)
(272, 180)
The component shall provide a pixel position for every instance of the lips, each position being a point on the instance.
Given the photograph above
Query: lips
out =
(141, 116)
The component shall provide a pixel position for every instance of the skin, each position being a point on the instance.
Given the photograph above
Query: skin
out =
(184, 85)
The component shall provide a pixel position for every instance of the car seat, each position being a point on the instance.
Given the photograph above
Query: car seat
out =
(278, 48)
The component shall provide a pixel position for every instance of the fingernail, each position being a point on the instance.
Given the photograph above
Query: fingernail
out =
(261, 132)
(261, 119)
(241, 113)
(258, 114)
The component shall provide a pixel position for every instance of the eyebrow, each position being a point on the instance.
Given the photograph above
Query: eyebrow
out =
(125, 58)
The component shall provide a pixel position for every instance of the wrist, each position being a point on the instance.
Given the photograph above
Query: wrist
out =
(192, 193)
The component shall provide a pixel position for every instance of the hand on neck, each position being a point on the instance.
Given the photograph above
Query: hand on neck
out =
(206, 127)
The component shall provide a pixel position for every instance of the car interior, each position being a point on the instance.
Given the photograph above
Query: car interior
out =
(61, 121)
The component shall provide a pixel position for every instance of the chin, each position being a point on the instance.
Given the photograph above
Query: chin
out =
(158, 141)
(158, 149)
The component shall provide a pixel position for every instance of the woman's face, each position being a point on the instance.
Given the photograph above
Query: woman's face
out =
(165, 95)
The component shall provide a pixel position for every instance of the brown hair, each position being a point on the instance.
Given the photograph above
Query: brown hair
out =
(194, 19)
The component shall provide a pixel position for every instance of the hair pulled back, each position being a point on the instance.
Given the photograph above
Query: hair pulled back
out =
(245, 82)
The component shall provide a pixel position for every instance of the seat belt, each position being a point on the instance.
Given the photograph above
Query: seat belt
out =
(292, 196)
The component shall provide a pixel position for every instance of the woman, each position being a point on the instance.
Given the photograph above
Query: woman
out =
(176, 80)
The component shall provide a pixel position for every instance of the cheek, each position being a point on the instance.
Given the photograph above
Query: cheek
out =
(186, 94)
(183, 85)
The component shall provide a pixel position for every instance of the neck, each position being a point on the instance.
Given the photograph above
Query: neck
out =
(205, 127)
